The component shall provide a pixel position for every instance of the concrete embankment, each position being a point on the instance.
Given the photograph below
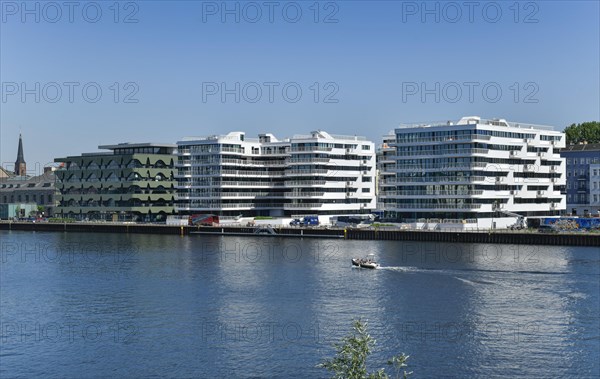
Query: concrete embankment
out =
(504, 237)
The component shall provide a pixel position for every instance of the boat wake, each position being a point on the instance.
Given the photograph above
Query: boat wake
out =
(401, 268)
(473, 282)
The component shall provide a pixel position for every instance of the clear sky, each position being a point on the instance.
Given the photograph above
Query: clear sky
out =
(372, 62)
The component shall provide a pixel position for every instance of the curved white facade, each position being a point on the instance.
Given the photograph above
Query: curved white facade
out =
(313, 174)
(476, 172)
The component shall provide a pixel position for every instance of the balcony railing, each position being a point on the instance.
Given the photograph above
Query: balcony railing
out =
(302, 205)
(443, 152)
(434, 193)
(470, 137)
(437, 206)
(443, 179)
(310, 148)
(293, 183)
(442, 167)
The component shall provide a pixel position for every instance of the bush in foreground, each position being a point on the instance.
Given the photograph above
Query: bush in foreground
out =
(350, 361)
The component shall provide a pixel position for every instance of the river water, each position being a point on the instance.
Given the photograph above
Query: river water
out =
(79, 305)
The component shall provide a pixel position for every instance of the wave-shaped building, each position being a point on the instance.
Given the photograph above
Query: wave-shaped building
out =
(476, 173)
(314, 174)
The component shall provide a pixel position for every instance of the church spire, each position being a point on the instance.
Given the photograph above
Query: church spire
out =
(20, 165)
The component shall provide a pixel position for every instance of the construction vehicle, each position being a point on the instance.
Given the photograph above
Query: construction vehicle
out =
(520, 224)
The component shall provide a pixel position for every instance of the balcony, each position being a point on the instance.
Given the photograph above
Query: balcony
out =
(304, 194)
(300, 183)
(308, 160)
(422, 207)
(307, 172)
(453, 166)
(302, 205)
(309, 149)
(449, 139)
(442, 179)
(443, 152)
(434, 193)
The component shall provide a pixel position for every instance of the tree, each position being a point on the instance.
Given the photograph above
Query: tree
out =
(350, 361)
(586, 131)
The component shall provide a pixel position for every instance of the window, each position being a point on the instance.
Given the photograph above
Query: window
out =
(366, 190)
(595, 198)
(569, 198)
(595, 172)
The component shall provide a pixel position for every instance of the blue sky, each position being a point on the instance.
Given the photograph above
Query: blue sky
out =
(371, 67)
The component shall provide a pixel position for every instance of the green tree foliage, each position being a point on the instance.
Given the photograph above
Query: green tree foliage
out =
(350, 361)
(586, 131)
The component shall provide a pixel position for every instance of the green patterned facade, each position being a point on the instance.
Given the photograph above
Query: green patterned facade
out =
(131, 182)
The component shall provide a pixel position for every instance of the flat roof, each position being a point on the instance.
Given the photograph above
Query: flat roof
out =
(128, 145)
(476, 120)
(582, 147)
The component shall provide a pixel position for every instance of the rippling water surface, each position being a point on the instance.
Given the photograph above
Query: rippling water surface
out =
(143, 306)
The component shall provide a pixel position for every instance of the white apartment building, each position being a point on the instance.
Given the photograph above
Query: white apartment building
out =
(476, 173)
(386, 174)
(315, 174)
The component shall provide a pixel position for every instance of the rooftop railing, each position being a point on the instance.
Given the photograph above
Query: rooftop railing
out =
(475, 121)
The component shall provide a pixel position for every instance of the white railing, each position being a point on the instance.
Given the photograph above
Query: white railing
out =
(305, 182)
(310, 148)
(438, 206)
(442, 152)
(444, 179)
(480, 121)
(443, 139)
(434, 193)
(302, 205)
(467, 166)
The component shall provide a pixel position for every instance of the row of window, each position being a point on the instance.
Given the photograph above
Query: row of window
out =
(29, 185)
(587, 160)
(580, 198)
(401, 137)
(20, 198)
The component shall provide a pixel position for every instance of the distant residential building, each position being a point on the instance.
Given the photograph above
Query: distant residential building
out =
(5, 173)
(129, 182)
(315, 174)
(476, 173)
(24, 196)
(595, 189)
(582, 159)
(32, 191)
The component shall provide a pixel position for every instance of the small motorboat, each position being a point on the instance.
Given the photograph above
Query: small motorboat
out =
(368, 262)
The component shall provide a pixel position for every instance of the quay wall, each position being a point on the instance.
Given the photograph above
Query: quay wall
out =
(498, 237)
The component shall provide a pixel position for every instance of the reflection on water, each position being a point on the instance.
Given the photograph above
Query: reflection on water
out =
(114, 305)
